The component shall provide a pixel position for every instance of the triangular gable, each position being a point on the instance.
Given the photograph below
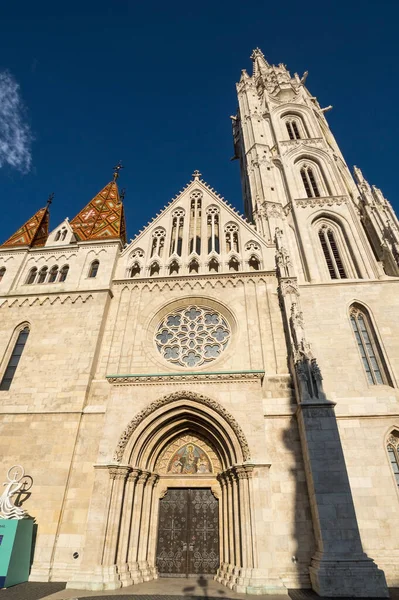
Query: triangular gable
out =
(102, 218)
(182, 199)
(33, 233)
(61, 235)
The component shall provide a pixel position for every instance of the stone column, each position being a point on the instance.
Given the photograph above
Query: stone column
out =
(135, 530)
(223, 530)
(126, 525)
(146, 527)
(153, 531)
(230, 528)
(339, 566)
(118, 475)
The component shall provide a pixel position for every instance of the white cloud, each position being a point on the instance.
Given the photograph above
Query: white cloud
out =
(15, 134)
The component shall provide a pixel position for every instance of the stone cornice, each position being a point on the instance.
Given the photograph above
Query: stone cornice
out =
(11, 300)
(197, 277)
(192, 377)
(320, 201)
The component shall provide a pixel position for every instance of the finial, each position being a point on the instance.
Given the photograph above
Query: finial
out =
(117, 168)
(256, 52)
(122, 193)
(196, 175)
(50, 199)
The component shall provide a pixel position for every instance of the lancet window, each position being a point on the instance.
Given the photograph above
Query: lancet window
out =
(254, 264)
(213, 229)
(154, 269)
(193, 267)
(231, 234)
(195, 222)
(42, 275)
(53, 274)
(94, 268)
(158, 242)
(393, 454)
(32, 276)
(14, 359)
(293, 130)
(213, 266)
(233, 264)
(64, 273)
(312, 187)
(176, 239)
(174, 268)
(2, 273)
(135, 270)
(328, 241)
(369, 348)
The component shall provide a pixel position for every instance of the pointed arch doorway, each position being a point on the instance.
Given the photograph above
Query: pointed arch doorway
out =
(188, 520)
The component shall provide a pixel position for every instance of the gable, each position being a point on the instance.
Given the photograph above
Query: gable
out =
(197, 226)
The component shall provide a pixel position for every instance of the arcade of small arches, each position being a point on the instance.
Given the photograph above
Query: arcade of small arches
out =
(183, 440)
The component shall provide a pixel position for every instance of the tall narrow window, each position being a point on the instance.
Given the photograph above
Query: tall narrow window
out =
(253, 264)
(32, 276)
(2, 273)
(57, 236)
(176, 239)
(14, 359)
(158, 242)
(135, 270)
(193, 267)
(174, 268)
(393, 453)
(213, 229)
(195, 222)
(42, 275)
(64, 233)
(94, 268)
(231, 233)
(309, 181)
(331, 253)
(369, 348)
(64, 273)
(154, 269)
(53, 274)
(293, 130)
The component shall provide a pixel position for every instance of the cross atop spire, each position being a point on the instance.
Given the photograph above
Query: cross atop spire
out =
(50, 199)
(117, 168)
(196, 175)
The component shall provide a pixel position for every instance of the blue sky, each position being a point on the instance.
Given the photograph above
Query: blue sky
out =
(153, 84)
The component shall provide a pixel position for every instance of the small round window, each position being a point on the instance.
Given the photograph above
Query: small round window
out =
(192, 336)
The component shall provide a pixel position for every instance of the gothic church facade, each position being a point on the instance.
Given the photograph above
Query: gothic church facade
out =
(219, 396)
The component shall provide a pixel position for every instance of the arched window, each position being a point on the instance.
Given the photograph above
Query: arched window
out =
(2, 273)
(231, 233)
(213, 266)
(233, 264)
(393, 453)
(14, 359)
(135, 270)
(154, 269)
(32, 276)
(253, 263)
(57, 236)
(64, 273)
(309, 181)
(176, 239)
(195, 222)
(94, 268)
(42, 275)
(158, 242)
(328, 242)
(369, 348)
(53, 274)
(174, 268)
(292, 128)
(213, 229)
(64, 233)
(193, 267)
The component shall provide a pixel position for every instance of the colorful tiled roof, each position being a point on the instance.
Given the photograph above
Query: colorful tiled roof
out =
(102, 218)
(33, 233)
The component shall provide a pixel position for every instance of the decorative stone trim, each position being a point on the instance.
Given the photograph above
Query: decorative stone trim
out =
(192, 377)
(202, 280)
(322, 201)
(31, 300)
(169, 399)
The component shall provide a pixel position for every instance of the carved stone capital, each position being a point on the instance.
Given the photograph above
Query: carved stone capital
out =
(118, 471)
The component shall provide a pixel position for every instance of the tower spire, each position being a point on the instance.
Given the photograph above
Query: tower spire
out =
(33, 233)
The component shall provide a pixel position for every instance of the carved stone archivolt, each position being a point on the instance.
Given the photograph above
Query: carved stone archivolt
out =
(169, 399)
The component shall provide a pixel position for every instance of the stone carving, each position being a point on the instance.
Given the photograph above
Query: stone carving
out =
(289, 286)
(174, 398)
(16, 482)
(274, 211)
(323, 201)
(239, 377)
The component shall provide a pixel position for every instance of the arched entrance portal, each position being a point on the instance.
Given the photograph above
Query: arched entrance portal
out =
(183, 448)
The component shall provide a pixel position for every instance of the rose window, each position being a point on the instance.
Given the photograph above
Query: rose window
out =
(192, 336)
